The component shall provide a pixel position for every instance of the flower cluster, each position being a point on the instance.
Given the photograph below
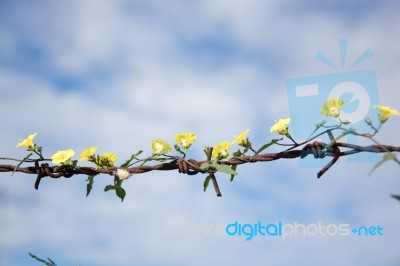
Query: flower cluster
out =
(63, 157)
(104, 160)
(331, 107)
(183, 141)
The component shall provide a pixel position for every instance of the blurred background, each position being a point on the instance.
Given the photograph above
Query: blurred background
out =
(118, 74)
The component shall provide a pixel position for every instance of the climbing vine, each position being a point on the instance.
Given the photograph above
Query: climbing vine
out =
(219, 158)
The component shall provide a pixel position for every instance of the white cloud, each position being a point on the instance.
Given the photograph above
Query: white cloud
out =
(153, 86)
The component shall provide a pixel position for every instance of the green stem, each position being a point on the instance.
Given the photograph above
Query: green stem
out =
(290, 137)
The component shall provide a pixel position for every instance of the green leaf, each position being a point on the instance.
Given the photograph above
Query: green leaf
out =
(50, 263)
(39, 150)
(21, 162)
(350, 130)
(225, 169)
(386, 157)
(319, 125)
(74, 163)
(109, 187)
(237, 153)
(121, 193)
(89, 185)
(274, 141)
(233, 169)
(133, 156)
(205, 166)
(396, 197)
(206, 182)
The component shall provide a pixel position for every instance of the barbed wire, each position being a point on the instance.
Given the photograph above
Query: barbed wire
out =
(192, 167)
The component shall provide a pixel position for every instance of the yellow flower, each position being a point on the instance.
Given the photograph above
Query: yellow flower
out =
(107, 159)
(281, 126)
(185, 139)
(28, 142)
(87, 153)
(386, 111)
(160, 147)
(62, 157)
(332, 107)
(241, 138)
(221, 150)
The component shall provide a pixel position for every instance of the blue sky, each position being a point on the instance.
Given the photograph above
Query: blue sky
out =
(118, 74)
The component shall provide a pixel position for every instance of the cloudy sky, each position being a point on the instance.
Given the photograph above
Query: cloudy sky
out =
(118, 74)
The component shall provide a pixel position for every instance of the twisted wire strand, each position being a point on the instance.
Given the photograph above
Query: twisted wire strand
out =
(192, 166)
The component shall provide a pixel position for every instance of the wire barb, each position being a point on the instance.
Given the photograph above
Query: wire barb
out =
(192, 167)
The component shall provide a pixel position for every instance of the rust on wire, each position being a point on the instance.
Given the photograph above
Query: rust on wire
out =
(192, 167)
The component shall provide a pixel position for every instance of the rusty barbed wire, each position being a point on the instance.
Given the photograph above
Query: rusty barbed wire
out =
(192, 166)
